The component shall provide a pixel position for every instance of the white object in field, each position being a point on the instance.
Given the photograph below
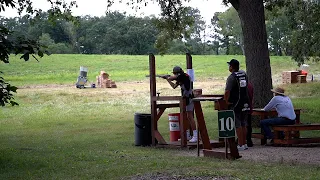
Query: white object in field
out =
(82, 68)
(190, 72)
(83, 71)
(304, 67)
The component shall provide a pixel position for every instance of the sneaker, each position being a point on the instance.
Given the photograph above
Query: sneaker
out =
(194, 139)
(270, 143)
(241, 148)
(245, 147)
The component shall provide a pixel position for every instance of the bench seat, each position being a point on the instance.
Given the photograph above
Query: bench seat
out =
(292, 135)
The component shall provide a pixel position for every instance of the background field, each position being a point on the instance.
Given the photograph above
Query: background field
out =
(60, 132)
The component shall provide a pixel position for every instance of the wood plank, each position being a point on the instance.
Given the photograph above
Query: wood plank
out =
(297, 141)
(215, 154)
(166, 98)
(163, 106)
(152, 73)
(159, 137)
(257, 135)
(298, 127)
(202, 125)
(159, 114)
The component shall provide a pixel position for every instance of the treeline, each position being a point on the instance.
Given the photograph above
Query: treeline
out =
(114, 33)
(292, 30)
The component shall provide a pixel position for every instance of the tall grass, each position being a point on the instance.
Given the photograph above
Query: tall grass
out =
(68, 133)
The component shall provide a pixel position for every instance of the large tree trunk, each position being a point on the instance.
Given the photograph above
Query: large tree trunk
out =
(251, 13)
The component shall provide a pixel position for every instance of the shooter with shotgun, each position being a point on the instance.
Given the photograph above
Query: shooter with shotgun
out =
(184, 81)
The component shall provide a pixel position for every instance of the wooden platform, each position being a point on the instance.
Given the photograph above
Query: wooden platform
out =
(213, 143)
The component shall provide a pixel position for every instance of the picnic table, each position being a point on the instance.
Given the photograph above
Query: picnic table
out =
(265, 115)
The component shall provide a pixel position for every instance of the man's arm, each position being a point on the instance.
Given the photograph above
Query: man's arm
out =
(170, 79)
(229, 85)
(272, 104)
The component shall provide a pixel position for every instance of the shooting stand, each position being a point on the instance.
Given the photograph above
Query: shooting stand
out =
(158, 109)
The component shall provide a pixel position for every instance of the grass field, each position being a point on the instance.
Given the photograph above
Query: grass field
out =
(60, 132)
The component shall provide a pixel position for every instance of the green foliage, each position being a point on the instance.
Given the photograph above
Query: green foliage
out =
(294, 29)
(175, 23)
(227, 31)
(21, 44)
(6, 95)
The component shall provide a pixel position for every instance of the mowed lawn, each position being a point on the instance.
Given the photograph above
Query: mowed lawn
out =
(60, 132)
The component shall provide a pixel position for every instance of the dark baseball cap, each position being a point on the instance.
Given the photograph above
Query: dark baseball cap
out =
(234, 63)
(177, 69)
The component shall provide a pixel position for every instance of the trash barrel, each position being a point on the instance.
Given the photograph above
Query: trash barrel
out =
(142, 129)
(174, 126)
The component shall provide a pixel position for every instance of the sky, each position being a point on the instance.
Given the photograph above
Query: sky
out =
(98, 8)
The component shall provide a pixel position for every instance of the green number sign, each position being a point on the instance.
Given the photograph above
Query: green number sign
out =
(226, 124)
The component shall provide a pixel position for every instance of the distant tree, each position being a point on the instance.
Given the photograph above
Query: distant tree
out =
(22, 45)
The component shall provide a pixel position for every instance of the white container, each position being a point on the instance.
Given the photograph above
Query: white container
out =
(82, 68)
(83, 71)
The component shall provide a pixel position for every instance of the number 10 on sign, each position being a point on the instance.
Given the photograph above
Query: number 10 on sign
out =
(226, 124)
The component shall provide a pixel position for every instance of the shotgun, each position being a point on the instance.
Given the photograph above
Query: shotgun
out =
(160, 76)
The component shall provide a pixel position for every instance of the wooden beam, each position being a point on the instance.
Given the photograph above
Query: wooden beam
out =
(159, 114)
(183, 122)
(163, 106)
(202, 125)
(152, 68)
(296, 127)
(296, 141)
(166, 98)
(159, 137)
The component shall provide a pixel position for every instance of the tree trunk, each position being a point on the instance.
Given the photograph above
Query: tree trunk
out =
(251, 13)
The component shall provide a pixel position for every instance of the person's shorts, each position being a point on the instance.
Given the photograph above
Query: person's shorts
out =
(190, 105)
(241, 118)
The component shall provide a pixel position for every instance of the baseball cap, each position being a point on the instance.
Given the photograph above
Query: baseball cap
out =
(177, 69)
(234, 63)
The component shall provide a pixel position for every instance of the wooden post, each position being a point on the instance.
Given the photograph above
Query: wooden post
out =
(183, 122)
(189, 64)
(152, 68)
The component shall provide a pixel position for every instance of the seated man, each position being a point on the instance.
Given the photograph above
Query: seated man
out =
(284, 108)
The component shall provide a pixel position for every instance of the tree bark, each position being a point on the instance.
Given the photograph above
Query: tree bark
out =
(251, 13)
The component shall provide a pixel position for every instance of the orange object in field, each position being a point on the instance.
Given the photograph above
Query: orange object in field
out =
(304, 72)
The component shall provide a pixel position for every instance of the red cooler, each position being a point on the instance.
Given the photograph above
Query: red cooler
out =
(174, 126)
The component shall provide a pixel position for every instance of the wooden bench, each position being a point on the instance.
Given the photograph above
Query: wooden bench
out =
(273, 113)
(291, 135)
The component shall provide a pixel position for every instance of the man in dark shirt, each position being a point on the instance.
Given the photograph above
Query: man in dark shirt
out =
(183, 80)
(236, 94)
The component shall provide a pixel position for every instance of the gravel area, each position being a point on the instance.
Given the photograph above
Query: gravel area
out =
(257, 153)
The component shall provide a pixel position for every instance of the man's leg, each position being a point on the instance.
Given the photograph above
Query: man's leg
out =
(270, 122)
(192, 123)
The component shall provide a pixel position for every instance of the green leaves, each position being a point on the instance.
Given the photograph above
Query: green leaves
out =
(6, 90)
